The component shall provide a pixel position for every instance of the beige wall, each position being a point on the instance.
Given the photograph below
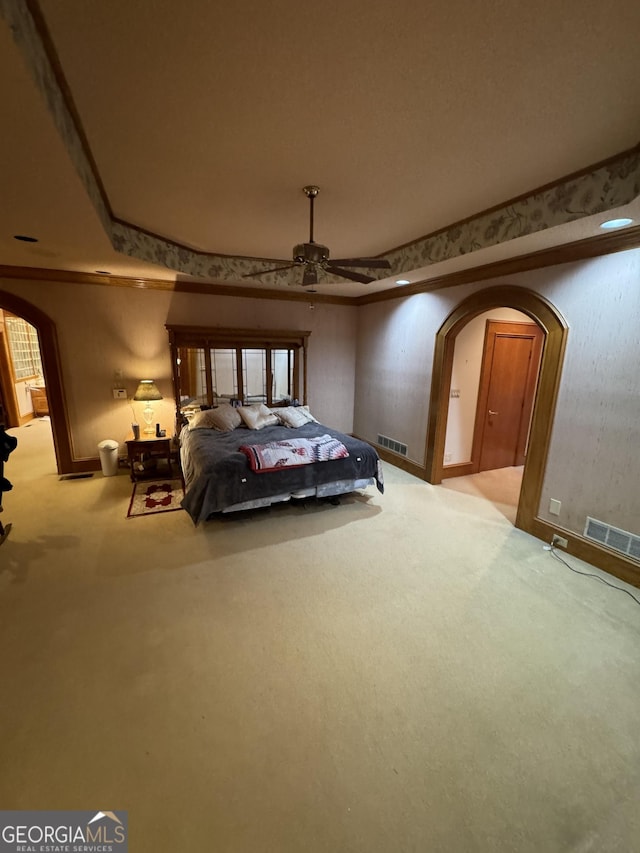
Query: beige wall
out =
(594, 464)
(393, 370)
(381, 355)
(103, 329)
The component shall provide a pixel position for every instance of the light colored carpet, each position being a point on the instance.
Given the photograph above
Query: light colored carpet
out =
(404, 672)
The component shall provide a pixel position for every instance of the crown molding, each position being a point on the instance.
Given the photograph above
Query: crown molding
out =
(201, 288)
(578, 250)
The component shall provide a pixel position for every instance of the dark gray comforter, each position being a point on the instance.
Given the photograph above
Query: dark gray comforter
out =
(217, 475)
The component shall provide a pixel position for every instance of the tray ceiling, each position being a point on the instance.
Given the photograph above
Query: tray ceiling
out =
(146, 137)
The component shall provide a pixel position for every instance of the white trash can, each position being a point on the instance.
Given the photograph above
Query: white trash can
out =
(108, 457)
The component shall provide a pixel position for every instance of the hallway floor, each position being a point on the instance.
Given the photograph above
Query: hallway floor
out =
(500, 487)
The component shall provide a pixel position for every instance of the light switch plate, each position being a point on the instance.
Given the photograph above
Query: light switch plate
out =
(119, 393)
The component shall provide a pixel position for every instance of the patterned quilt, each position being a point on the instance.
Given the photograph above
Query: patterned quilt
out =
(292, 453)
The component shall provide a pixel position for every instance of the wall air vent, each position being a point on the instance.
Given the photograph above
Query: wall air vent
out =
(619, 540)
(391, 444)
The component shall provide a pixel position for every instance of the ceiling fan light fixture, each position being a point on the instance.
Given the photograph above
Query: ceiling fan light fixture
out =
(310, 253)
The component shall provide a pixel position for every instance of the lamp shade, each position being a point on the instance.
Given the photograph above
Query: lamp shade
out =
(146, 391)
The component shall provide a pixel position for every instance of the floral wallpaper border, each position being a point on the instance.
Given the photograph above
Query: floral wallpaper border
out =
(611, 186)
(27, 39)
(607, 187)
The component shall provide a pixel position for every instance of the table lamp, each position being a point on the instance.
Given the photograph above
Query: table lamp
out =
(146, 393)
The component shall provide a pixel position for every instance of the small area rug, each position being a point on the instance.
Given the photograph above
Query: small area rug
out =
(152, 496)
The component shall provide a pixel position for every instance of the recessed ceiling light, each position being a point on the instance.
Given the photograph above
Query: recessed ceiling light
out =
(616, 223)
(403, 281)
(25, 239)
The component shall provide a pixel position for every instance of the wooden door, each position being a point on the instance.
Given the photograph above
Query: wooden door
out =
(508, 379)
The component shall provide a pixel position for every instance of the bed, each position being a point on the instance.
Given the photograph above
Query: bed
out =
(251, 464)
(248, 443)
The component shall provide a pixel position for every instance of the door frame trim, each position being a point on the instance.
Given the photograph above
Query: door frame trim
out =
(556, 330)
(50, 354)
(7, 385)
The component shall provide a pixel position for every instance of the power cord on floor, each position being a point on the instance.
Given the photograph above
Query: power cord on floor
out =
(554, 553)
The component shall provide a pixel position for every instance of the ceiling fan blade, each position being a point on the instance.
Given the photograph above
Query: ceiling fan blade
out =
(258, 273)
(310, 276)
(371, 263)
(354, 276)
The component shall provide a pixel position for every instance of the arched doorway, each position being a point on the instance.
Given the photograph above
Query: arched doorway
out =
(555, 330)
(53, 377)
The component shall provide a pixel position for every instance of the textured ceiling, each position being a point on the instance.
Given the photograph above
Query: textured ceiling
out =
(205, 121)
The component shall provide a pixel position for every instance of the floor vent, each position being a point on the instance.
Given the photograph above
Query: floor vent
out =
(619, 540)
(75, 476)
(391, 444)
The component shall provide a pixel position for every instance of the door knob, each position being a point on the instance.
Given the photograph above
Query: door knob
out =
(492, 413)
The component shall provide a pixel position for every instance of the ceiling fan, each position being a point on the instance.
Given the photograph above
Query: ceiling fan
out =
(314, 256)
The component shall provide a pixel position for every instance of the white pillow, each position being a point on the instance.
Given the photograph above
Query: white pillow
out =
(308, 413)
(294, 416)
(224, 419)
(257, 416)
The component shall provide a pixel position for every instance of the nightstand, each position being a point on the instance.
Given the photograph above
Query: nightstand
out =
(149, 456)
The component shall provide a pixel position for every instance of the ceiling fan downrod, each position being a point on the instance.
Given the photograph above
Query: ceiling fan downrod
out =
(311, 192)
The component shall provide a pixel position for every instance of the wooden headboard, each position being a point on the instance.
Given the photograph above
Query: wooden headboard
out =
(194, 377)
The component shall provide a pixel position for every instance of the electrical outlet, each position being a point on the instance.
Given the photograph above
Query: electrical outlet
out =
(119, 393)
(559, 541)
